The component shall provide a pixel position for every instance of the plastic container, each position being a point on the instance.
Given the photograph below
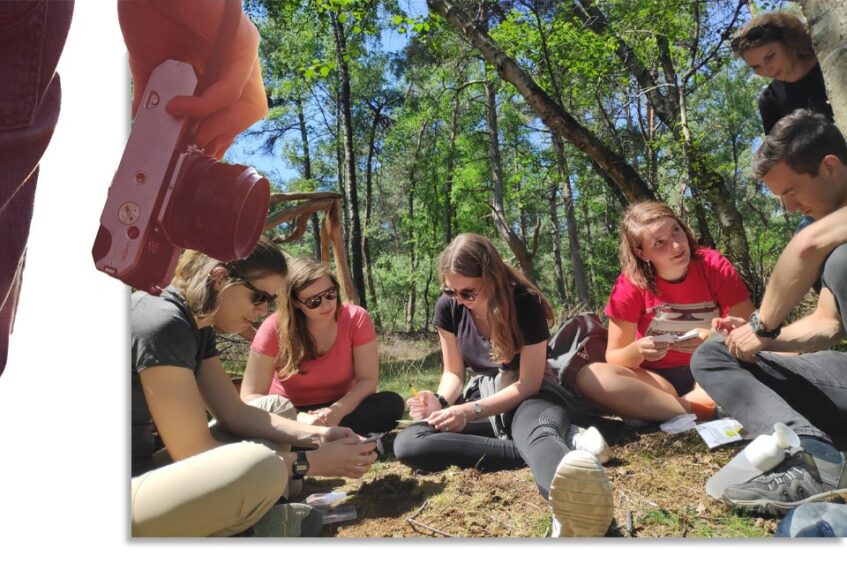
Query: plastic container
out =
(761, 455)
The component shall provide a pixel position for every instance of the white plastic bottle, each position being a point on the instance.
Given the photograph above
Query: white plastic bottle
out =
(762, 454)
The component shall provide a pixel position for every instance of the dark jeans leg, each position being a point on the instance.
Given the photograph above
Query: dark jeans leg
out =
(33, 35)
(376, 413)
(807, 392)
(422, 447)
(538, 429)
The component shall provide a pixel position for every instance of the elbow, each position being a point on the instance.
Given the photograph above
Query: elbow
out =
(811, 243)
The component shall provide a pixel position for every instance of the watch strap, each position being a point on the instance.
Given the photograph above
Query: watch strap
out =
(442, 401)
(301, 465)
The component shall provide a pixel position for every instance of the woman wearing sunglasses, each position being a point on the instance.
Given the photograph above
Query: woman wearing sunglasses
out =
(778, 46)
(493, 322)
(188, 479)
(321, 355)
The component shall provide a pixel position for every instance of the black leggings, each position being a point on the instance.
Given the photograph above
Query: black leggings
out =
(376, 413)
(537, 428)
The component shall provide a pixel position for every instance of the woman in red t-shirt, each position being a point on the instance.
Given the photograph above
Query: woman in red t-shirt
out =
(669, 287)
(321, 355)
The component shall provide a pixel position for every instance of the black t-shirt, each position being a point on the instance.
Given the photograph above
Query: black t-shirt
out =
(476, 350)
(163, 334)
(780, 98)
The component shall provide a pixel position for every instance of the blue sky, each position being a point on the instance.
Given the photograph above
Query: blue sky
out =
(245, 150)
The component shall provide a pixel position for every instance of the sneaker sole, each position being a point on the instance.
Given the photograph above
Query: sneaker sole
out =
(777, 508)
(581, 496)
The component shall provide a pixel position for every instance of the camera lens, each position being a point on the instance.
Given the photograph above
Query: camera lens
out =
(217, 208)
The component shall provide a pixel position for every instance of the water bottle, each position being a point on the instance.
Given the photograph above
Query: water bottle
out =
(761, 455)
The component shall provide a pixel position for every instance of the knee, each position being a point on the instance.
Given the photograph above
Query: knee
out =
(590, 379)
(709, 361)
(393, 405)
(835, 270)
(275, 404)
(262, 468)
(410, 444)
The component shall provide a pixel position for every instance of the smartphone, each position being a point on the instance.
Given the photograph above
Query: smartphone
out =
(373, 437)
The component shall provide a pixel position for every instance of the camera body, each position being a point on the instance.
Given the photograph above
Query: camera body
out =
(167, 195)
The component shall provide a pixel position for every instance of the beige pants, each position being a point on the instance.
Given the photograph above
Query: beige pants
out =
(217, 493)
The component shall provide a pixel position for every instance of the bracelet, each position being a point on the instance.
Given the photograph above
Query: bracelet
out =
(442, 401)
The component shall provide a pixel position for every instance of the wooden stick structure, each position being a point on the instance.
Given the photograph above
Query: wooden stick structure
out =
(305, 205)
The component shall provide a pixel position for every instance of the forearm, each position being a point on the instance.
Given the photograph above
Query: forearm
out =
(799, 266)
(253, 422)
(809, 334)
(629, 356)
(450, 386)
(505, 400)
(354, 397)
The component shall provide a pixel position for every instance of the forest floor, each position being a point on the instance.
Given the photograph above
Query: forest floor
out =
(658, 480)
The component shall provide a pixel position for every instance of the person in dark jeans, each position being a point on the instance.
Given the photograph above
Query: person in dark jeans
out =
(494, 322)
(34, 34)
(803, 160)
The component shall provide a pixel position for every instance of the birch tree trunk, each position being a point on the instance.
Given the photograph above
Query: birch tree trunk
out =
(828, 24)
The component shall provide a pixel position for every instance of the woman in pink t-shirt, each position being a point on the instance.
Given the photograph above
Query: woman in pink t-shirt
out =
(669, 287)
(321, 355)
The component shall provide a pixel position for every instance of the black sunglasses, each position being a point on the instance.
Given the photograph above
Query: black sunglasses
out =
(315, 301)
(258, 296)
(466, 294)
(766, 31)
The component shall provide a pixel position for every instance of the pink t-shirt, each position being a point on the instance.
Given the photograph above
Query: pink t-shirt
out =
(328, 377)
(708, 290)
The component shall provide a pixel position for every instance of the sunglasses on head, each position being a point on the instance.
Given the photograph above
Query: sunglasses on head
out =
(466, 294)
(758, 33)
(315, 301)
(258, 296)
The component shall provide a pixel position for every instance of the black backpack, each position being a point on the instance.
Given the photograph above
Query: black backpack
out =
(579, 341)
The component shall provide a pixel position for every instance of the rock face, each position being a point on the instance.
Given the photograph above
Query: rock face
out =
(828, 23)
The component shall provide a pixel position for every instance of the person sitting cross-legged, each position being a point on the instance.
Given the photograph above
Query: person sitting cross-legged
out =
(804, 161)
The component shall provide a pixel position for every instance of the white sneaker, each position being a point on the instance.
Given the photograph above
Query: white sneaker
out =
(580, 497)
(588, 440)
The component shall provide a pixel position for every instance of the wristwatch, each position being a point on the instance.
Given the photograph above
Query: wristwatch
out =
(301, 466)
(477, 410)
(442, 401)
(760, 329)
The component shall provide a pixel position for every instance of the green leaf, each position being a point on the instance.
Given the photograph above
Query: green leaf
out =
(324, 71)
(397, 20)
(342, 17)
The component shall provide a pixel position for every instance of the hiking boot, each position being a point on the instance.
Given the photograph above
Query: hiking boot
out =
(580, 497)
(588, 440)
(289, 521)
(799, 479)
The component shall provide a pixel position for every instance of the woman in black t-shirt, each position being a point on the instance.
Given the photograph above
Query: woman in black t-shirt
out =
(777, 45)
(493, 322)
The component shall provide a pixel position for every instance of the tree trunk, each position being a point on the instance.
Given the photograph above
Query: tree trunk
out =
(557, 245)
(412, 295)
(517, 246)
(366, 245)
(349, 159)
(580, 281)
(828, 23)
(448, 181)
(551, 113)
(307, 173)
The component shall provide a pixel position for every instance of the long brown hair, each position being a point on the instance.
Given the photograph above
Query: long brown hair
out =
(296, 344)
(193, 276)
(473, 256)
(635, 220)
(785, 28)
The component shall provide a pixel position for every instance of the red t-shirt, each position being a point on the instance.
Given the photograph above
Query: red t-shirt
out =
(328, 377)
(708, 290)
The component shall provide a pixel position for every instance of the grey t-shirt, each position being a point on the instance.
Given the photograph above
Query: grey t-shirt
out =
(163, 334)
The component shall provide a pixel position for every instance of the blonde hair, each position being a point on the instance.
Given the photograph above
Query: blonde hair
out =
(473, 256)
(296, 344)
(788, 29)
(193, 276)
(635, 221)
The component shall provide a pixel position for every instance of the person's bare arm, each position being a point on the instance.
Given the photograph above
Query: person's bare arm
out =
(257, 376)
(799, 266)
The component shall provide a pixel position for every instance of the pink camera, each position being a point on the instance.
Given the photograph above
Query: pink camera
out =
(167, 195)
